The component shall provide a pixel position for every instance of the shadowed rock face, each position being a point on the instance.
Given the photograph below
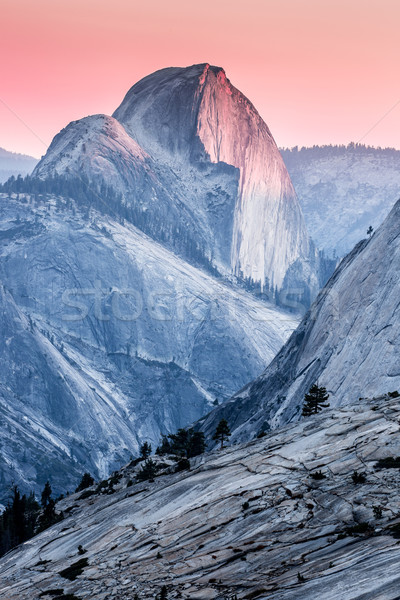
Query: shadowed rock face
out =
(246, 521)
(108, 339)
(349, 341)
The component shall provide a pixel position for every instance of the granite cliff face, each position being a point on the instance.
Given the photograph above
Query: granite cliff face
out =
(343, 190)
(349, 341)
(195, 115)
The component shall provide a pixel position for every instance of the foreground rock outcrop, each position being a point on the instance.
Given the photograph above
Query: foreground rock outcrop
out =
(282, 517)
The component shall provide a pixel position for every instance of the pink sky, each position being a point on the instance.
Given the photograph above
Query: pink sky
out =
(318, 71)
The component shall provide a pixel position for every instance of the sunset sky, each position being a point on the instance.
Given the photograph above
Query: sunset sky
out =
(318, 71)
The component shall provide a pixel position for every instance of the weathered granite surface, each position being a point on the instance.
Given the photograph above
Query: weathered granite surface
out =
(249, 520)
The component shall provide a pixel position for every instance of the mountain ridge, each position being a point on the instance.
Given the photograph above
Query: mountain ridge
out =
(343, 190)
(111, 340)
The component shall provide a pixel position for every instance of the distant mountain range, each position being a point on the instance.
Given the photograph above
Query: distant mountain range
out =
(15, 164)
(343, 190)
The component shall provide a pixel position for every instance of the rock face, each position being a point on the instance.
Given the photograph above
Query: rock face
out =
(186, 143)
(34, 401)
(108, 339)
(252, 520)
(349, 341)
(192, 219)
(195, 114)
(343, 190)
(100, 147)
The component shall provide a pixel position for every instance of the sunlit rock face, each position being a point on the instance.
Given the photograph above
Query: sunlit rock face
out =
(189, 117)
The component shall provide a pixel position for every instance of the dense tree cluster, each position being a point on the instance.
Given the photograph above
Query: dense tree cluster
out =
(23, 517)
(106, 200)
(186, 442)
(18, 521)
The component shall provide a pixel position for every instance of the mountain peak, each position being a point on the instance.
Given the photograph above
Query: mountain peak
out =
(193, 140)
(194, 115)
(219, 72)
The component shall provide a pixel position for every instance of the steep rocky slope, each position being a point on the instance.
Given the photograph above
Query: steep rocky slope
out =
(167, 207)
(343, 190)
(109, 339)
(249, 521)
(349, 341)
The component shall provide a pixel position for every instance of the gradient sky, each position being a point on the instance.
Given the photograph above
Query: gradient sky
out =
(318, 71)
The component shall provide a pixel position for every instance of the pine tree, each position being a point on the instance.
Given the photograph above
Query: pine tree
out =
(145, 450)
(197, 444)
(164, 447)
(315, 400)
(86, 481)
(180, 441)
(48, 515)
(163, 593)
(148, 471)
(46, 494)
(222, 432)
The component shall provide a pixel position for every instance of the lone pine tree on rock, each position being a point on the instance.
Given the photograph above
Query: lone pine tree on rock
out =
(315, 400)
(163, 594)
(222, 432)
